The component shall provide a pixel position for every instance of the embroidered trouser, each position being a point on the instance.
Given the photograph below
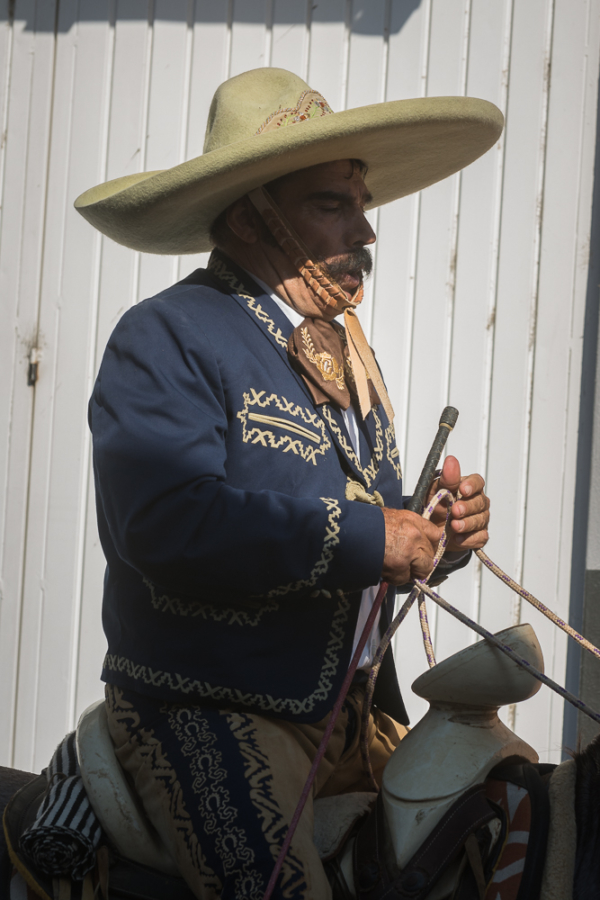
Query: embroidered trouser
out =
(220, 786)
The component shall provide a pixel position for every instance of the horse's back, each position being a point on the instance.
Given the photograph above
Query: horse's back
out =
(587, 812)
(10, 782)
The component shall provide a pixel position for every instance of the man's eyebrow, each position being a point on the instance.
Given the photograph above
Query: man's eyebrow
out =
(337, 196)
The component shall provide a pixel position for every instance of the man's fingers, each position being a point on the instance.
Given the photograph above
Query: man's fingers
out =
(463, 508)
(473, 541)
(471, 523)
(410, 544)
(421, 566)
(472, 484)
(450, 477)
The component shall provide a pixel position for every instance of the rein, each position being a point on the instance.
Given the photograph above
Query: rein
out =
(421, 590)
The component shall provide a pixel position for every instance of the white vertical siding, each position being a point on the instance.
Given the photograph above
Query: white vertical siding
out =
(60, 445)
(477, 298)
(27, 101)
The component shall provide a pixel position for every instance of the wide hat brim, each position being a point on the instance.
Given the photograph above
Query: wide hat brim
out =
(407, 145)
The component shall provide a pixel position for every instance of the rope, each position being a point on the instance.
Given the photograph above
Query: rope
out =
(422, 589)
(424, 622)
(493, 639)
(393, 627)
(326, 736)
(536, 603)
(364, 723)
(423, 619)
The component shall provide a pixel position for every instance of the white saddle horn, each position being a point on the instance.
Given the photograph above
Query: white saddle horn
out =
(460, 739)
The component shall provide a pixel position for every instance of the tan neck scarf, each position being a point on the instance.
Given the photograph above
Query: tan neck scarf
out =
(336, 364)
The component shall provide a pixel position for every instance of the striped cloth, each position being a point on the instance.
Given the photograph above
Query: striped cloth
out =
(510, 865)
(66, 832)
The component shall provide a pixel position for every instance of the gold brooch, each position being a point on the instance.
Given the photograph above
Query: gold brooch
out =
(327, 364)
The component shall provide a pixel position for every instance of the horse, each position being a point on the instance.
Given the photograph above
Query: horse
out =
(449, 765)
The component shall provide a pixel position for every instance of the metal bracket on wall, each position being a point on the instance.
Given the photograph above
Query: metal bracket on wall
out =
(35, 355)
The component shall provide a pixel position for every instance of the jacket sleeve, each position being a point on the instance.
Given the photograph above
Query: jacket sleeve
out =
(159, 422)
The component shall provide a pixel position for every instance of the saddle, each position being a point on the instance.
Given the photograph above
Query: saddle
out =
(132, 862)
(114, 876)
(478, 841)
(449, 769)
(451, 788)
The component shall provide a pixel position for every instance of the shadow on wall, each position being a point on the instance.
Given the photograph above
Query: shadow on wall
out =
(61, 15)
(581, 675)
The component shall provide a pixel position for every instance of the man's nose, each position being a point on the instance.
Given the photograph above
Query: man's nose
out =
(363, 234)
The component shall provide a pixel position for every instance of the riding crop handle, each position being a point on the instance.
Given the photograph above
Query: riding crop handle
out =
(447, 423)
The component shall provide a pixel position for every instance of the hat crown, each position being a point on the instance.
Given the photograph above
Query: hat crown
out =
(242, 104)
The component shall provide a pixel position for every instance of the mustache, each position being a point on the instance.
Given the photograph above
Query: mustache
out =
(357, 262)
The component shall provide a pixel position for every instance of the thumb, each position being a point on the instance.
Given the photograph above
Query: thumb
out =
(450, 477)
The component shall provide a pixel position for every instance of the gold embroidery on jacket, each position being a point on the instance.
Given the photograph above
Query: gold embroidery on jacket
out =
(283, 423)
(263, 317)
(218, 268)
(328, 366)
(195, 608)
(369, 473)
(392, 452)
(295, 706)
(308, 442)
(356, 491)
(330, 541)
(224, 273)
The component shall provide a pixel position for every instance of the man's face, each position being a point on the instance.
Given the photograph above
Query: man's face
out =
(325, 206)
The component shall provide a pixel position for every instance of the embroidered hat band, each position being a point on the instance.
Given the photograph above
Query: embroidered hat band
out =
(309, 106)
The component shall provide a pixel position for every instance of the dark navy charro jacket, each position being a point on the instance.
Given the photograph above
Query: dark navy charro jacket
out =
(235, 561)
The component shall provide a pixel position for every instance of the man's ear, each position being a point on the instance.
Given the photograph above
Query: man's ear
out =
(241, 218)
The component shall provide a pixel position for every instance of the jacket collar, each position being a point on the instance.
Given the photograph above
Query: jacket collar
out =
(277, 328)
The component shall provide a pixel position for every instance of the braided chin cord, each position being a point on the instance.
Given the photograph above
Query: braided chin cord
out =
(333, 301)
(421, 590)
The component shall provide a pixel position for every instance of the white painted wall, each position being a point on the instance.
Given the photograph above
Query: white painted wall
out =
(478, 295)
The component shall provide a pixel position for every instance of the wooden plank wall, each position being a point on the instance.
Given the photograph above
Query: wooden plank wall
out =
(477, 297)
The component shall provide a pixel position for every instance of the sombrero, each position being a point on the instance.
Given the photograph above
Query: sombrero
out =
(268, 122)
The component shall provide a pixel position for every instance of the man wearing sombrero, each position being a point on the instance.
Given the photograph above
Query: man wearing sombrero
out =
(248, 484)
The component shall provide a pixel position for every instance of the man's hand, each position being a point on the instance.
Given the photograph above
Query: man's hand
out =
(470, 515)
(410, 545)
